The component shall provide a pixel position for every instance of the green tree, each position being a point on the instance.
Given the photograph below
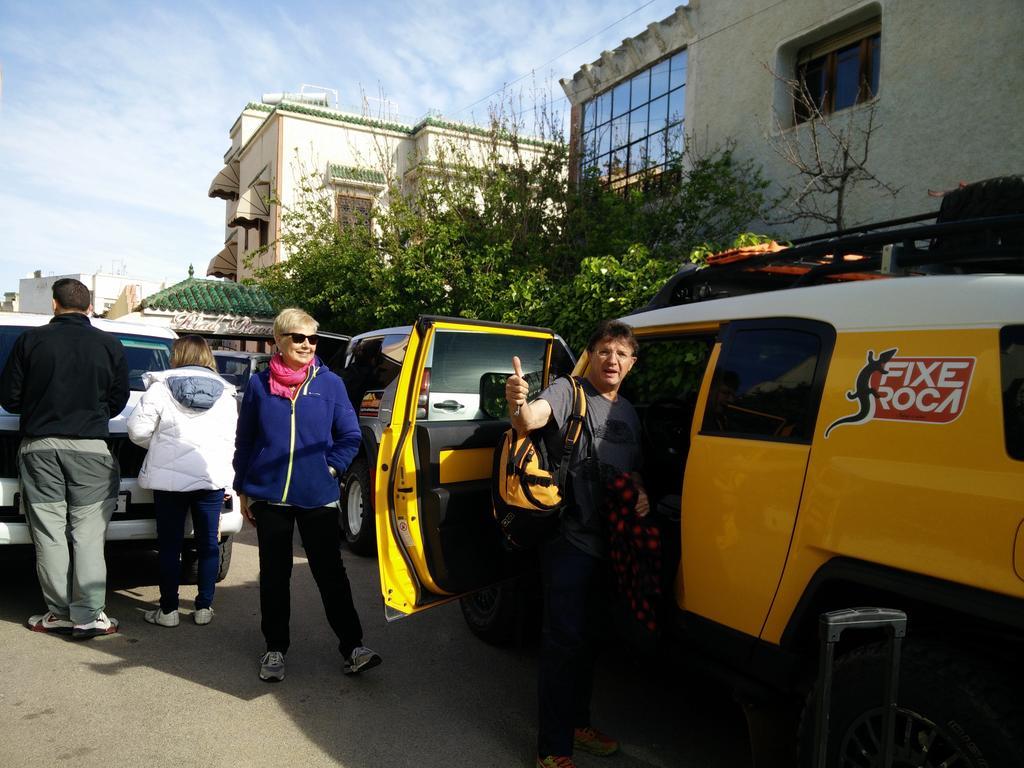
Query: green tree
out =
(493, 229)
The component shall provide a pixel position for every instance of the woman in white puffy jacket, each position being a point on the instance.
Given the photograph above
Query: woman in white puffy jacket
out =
(186, 419)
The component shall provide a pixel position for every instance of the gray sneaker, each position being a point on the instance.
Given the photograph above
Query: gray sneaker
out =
(360, 659)
(157, 616)
(272, 667)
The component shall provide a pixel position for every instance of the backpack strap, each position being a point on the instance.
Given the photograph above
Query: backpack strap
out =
(573, 429)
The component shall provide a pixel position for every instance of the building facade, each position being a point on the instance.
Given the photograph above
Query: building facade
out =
(35, 294)
(935, 82)
(278, 147)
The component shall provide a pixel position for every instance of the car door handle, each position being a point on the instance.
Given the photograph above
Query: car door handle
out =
(449, 405)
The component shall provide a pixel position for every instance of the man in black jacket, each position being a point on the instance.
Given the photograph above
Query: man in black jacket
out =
(67, 379)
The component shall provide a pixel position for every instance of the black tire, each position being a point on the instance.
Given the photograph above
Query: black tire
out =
(992, 197)
(357, 521)
(952, 710)
(1000, 196)
(190, 563)
(494, 614)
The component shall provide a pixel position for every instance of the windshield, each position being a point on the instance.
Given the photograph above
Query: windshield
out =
(142, 353)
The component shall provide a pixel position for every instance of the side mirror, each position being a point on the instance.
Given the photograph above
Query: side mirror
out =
(492, 392)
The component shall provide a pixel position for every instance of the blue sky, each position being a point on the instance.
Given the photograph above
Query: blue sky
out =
(114, 117)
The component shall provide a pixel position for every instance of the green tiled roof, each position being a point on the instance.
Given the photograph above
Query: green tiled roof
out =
(213, 296)
(352, 173)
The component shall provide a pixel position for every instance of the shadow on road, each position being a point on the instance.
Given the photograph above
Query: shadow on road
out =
(441, 698)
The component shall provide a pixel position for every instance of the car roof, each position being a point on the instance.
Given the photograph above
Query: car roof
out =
(401, 330)
(34, 320)
(911, 303)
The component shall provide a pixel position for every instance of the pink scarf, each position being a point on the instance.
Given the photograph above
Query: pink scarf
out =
(283, 379)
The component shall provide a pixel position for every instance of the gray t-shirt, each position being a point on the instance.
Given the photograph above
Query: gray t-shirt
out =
(610, 446)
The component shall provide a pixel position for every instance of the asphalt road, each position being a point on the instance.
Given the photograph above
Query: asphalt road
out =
(190, 696)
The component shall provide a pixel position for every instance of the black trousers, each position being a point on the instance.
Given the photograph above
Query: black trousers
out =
(321, 539)
(572, 609)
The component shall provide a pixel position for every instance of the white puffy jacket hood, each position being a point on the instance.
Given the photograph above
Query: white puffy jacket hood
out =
(186, 419)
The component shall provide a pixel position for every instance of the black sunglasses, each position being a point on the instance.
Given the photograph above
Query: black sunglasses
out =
(298, 338)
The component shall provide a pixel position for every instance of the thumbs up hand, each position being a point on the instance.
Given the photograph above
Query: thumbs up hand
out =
(516, 388)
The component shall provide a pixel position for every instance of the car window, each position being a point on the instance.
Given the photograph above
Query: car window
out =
(143, 354)
(763, 385)
(1011, 342)
(235, 370)
(562, 361)
(458, 359)
(8, 334)
(372, 364)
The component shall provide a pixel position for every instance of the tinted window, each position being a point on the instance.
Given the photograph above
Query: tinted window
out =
(562, 361)
(7, 336)
(1011, 342)
(763, 385)
(372, 364)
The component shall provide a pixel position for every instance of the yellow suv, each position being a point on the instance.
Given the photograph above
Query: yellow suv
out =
(831, 425)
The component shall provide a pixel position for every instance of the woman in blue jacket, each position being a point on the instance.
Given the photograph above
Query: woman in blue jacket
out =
(296, 433)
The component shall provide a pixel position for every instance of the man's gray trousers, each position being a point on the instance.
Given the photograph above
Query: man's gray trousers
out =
(69, 493)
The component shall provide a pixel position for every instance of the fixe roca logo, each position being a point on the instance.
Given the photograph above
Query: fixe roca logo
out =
(931, 390)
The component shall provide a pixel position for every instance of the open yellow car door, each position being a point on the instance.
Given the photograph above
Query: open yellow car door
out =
(436, 534)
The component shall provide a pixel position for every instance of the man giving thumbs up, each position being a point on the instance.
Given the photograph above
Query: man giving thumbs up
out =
(571, 562)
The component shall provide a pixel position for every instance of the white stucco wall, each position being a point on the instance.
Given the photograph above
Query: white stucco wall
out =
(950, 107)
(288, 144)
(35, 294)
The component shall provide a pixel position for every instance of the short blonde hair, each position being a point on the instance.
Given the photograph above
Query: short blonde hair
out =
(288, 319)
(192, 350)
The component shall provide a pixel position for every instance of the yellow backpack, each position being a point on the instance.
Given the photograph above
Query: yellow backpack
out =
(526, 491)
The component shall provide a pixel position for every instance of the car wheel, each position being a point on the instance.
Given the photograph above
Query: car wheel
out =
(951, 710)
(357, 521)
(190, 562)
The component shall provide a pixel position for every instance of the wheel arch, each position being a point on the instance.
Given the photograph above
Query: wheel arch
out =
(956, 613)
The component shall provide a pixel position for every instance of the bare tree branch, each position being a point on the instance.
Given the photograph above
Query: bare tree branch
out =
(828, 154)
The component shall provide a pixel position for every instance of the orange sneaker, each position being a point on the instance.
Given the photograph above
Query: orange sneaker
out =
(555, 761)
(593, 741)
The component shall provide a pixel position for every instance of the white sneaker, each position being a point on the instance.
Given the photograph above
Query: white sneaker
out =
(157, 616)
(101, 625)
(203, 615)
(49, 622)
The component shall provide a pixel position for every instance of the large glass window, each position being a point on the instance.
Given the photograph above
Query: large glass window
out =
(637, 126)
(839, 72)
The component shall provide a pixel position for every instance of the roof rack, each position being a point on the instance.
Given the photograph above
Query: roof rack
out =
(878, 251)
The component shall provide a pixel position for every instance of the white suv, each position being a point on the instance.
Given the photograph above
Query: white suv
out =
(147, 348)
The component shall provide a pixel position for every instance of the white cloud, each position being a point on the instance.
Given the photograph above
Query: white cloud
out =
(115, 116)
